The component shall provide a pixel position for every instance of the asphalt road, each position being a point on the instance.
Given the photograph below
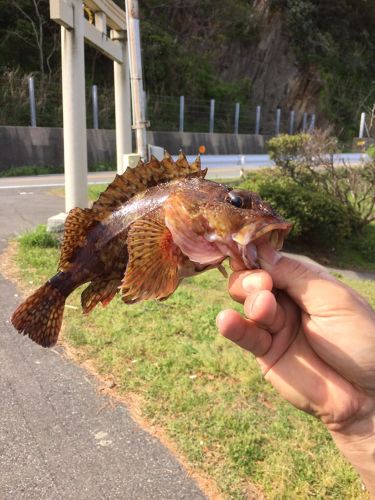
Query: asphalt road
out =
(59, 436)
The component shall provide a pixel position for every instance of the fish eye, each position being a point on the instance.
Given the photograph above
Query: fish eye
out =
(235, 199)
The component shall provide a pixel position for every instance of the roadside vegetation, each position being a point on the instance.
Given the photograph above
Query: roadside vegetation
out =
(205, 393)
(332, 207)
(44, 170)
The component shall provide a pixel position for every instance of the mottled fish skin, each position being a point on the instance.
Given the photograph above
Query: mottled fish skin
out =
(153, 226)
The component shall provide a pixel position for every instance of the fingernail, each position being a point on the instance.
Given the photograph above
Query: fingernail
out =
(267, 256)
(252, 281)
(218, 318)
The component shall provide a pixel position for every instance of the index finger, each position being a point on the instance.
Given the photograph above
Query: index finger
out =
(241, 283)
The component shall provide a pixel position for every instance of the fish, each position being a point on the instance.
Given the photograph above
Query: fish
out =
(153, 226)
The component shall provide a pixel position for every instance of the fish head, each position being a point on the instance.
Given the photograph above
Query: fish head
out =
(212, 221)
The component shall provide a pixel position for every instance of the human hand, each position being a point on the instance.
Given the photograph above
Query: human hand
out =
(314, 339)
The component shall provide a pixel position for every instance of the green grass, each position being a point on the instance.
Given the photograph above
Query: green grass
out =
(30, 170)
(44, 170)
(206, 393)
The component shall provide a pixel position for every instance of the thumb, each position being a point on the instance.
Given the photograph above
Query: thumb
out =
(307, 284)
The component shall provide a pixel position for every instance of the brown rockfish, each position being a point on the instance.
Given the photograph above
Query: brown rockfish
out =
(153, 226)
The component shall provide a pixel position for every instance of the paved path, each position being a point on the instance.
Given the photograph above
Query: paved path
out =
(355, 275)
(59, 437)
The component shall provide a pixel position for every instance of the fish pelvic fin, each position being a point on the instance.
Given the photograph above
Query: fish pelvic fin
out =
(40, 316)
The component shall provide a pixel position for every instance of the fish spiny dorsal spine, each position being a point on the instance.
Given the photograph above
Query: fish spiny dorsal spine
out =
(143, 176)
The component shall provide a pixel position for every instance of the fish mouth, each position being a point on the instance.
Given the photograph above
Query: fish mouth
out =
(248, 239)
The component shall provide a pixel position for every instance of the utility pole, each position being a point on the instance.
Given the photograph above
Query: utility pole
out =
(135, 66)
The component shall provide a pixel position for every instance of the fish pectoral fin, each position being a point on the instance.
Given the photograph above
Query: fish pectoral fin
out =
(154, 260)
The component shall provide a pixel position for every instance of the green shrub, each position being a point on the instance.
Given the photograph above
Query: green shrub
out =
(38, 238)
(285, 148)
(371, 151)
(316, 218)
(30, 170)
(308, 160)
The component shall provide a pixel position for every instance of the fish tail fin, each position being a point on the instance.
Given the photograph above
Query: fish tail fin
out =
(40, 316)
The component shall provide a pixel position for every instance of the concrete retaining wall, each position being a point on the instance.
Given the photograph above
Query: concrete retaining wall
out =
(43, 146)
(216, 144)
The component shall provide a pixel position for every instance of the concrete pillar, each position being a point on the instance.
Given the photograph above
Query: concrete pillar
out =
(74, 111)
(122, 103)
(135, 64)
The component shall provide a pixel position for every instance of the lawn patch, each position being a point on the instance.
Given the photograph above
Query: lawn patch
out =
(207, 394)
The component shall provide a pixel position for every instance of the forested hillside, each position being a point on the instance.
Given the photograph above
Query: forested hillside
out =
(309, 55)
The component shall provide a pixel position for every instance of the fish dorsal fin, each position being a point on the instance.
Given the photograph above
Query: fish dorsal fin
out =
(124, 187)
(142, 177)
(77, 224)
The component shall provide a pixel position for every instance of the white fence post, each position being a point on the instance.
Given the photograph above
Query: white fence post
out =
(291, 122)
(304, 122)
(257, 120)
(182, 113)
(237, 118)
(32, 101)
(362, 126)
(312, 122)
(278, 120)
(95, 111)
(212, 115)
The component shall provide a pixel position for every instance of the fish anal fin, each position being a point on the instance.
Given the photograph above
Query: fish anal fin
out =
(154, 262)
(99, 291)
(77, 224)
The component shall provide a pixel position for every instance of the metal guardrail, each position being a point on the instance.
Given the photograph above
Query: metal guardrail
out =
(219, 167)
(259, 161)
